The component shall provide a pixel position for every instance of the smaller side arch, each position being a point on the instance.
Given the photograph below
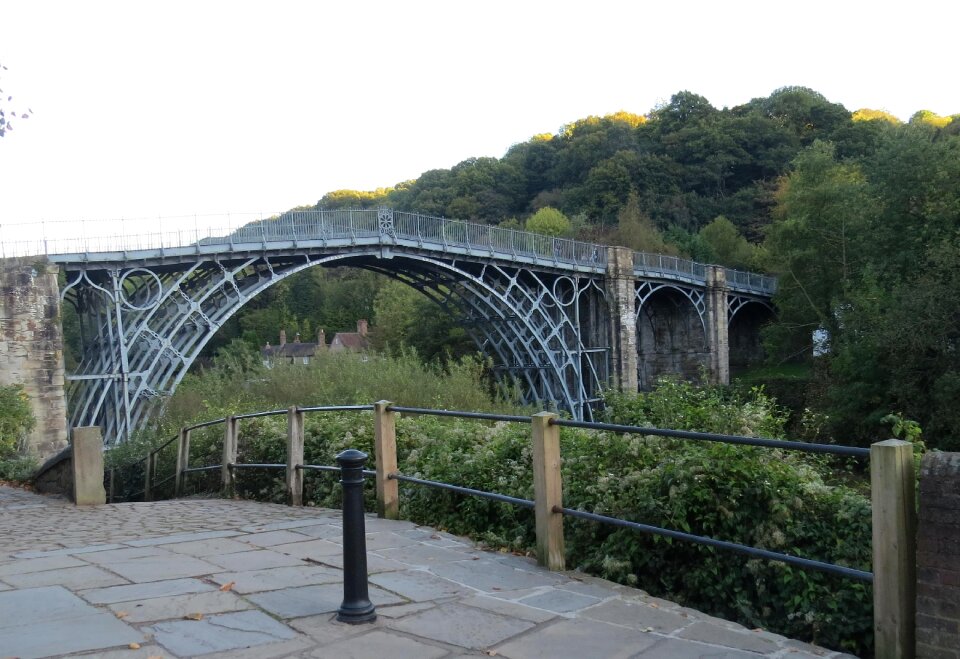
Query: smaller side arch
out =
(671, 332)
(747, 317)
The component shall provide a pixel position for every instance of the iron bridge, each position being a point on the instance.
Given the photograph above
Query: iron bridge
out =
(536, 305)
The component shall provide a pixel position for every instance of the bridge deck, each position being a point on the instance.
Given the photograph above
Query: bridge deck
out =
(192, 577)
(304, 231)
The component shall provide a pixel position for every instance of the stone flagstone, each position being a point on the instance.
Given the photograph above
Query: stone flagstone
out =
(41, 622)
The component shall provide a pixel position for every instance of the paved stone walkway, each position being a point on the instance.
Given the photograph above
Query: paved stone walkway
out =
(242, 579)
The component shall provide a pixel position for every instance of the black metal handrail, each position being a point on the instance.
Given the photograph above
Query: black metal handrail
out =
(722, 544)
(460, 415)
(254, 415)
(523, 503)
(852, 451)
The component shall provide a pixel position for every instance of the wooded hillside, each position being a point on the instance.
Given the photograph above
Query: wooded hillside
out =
(857, 212)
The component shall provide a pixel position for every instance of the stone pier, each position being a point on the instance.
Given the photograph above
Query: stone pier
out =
(31, 346)
(621, 296)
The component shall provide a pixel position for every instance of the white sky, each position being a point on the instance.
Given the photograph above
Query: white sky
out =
(148, 109)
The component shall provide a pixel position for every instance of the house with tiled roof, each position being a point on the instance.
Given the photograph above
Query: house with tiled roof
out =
(354, 341)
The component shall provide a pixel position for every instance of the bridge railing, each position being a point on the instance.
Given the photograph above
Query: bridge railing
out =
(379, 226)
(891, 470)
(751, 281)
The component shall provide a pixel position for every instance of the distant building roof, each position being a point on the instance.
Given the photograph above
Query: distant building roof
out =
(293, 350)
(349, 341)
(352, 340)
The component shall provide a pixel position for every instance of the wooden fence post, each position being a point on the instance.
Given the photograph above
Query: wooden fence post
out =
(385, 455)
(229, 456)
(148, 476)
(548, 491)
(183, 461)
(893, 494)
(294, 456)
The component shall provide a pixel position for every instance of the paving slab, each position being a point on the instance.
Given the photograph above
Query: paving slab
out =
(418, 586)
(183, 537)
(111, 556)
(157, 568)
(257, 559)
(511, 609)
(270, 538)
(149, 590)
(228, 631)
(559, 601)
(637, 616)
(380, 643)
(38, 565)
(328, 530)
(577, 638)
(721, 635)
(381, 540)
(320, 516)
(375, 563)
(671, 648)
(490, 575)
(325, 629)
(179, 606)
(74, 578)
(211, 547)
(421, 555)
(41, 622)
(67, 551)
(254, 581)
(466, 627)
(309, 548)
(313, 600)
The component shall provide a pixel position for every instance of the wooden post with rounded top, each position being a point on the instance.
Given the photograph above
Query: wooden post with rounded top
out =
(893, 495)
(183, 461)
(229, 456)
(548, 491)
(294, 456)
(385, 455)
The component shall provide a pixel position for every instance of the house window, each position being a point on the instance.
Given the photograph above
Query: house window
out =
(306, 360)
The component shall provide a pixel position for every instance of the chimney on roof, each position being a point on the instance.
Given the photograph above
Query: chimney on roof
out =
(362, 327)
(296, 339)
(283, 338)
(321, 339)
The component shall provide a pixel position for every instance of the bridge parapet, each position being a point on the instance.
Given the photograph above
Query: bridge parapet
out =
(109, 240)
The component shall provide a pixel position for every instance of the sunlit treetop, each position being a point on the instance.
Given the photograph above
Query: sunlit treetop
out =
(866, 114)
(930, 118)
(592, 123)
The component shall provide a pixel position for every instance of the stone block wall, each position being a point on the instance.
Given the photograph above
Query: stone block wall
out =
(938, 557)
(31, 346)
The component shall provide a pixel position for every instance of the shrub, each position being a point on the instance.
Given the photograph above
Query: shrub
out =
(16, 419)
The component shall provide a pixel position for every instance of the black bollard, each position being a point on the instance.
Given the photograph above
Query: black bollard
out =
(356, 607)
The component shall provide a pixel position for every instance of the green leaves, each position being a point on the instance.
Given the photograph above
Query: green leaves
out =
(16, 419)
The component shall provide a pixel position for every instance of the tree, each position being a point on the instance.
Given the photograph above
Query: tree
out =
(636, 230)
(816, 245)
(550, 222)
(726, 245)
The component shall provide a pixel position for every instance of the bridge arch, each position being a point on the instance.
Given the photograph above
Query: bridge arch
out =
(142, 326)
(671, 332)
(747, 316)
